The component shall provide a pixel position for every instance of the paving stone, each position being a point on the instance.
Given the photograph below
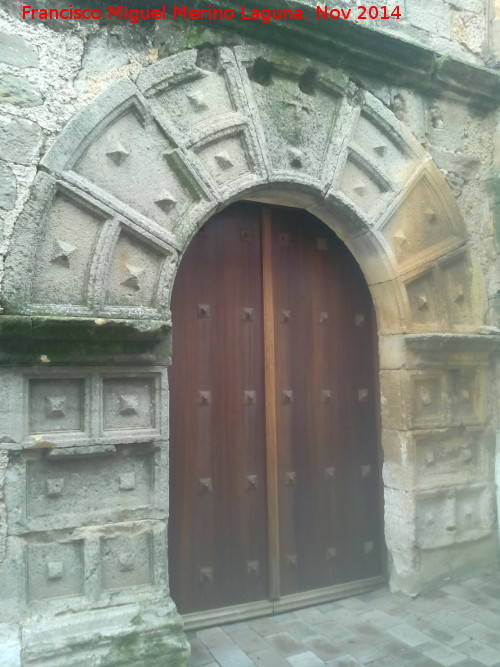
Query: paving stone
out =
(299, 629)
(449, 619)
(264, 626)
(200, 655)
(380, 619)
(364, 651)
(285, 643)
(355, 604)
(249, 640)
(235, 627)
(345, 661)
(335, 631)
(408, 635)
(483, 634)
(485, 617)
(306, 659)
(213, 637)
(269, 658)
(230, 655)
(485, 655)
(444, 655)
(311, 616)
(440, 633)
(323, 647)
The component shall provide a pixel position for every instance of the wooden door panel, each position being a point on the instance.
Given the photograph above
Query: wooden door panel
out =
(326, 426)
(218, 538)
(273, 413)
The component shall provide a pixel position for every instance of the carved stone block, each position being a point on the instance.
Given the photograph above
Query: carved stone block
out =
(55, 570)
(56, 405)
(66, 251)
(453, 515)
(226, 158)
(129, 403)
(134, 273)
(451, 456)
(426, 310)
(126, 561)
(62, 491)
(430, 399)
(361, 186)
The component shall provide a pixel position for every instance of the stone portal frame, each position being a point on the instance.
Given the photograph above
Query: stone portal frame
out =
(88, 281)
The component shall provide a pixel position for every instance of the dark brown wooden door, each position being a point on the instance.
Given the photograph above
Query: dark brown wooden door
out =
(274, 471)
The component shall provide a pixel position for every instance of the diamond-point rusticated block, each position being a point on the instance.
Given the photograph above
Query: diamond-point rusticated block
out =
(204, 398)
(425, 396)
(132, 275)
(128, 404)
(287, 396)
(360, 190)
(118, 155)
(54, 487)
(205, 485)
(380, 150)
(430, 216)
(55, 570)
(127, 481)
(166, 201)
(61, 252)
(125, 561)
(55, 406)
(295, 158)
(198, 101)
(422, 302)
(223, 160)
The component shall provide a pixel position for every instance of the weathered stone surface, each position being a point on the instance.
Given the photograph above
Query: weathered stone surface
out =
(20, 139)
(19, 91)
(16, 51)
(8, 188)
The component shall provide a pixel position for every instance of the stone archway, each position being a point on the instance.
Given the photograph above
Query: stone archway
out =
(118, 198)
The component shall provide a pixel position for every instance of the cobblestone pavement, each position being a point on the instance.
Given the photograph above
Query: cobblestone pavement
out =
(458, 624)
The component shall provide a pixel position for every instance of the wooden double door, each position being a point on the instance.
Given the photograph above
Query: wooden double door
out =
(274, 473)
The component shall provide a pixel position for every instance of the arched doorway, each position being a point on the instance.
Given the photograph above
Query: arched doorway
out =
(275, 482)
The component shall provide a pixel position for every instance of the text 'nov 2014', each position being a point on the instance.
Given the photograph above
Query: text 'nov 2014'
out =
(134, 15)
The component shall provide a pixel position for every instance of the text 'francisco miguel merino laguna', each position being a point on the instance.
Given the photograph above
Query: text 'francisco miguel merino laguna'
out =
(133, 15)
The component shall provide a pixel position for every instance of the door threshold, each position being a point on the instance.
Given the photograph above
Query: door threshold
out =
(244, 612)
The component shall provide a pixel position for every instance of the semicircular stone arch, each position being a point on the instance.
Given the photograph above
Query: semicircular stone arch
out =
(134, 175)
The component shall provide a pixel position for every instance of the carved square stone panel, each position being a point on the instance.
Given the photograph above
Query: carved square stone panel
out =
(60, 492)
(126, 561)
(430, 400)
(56, 405)
(129, 403)
(55, 570)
